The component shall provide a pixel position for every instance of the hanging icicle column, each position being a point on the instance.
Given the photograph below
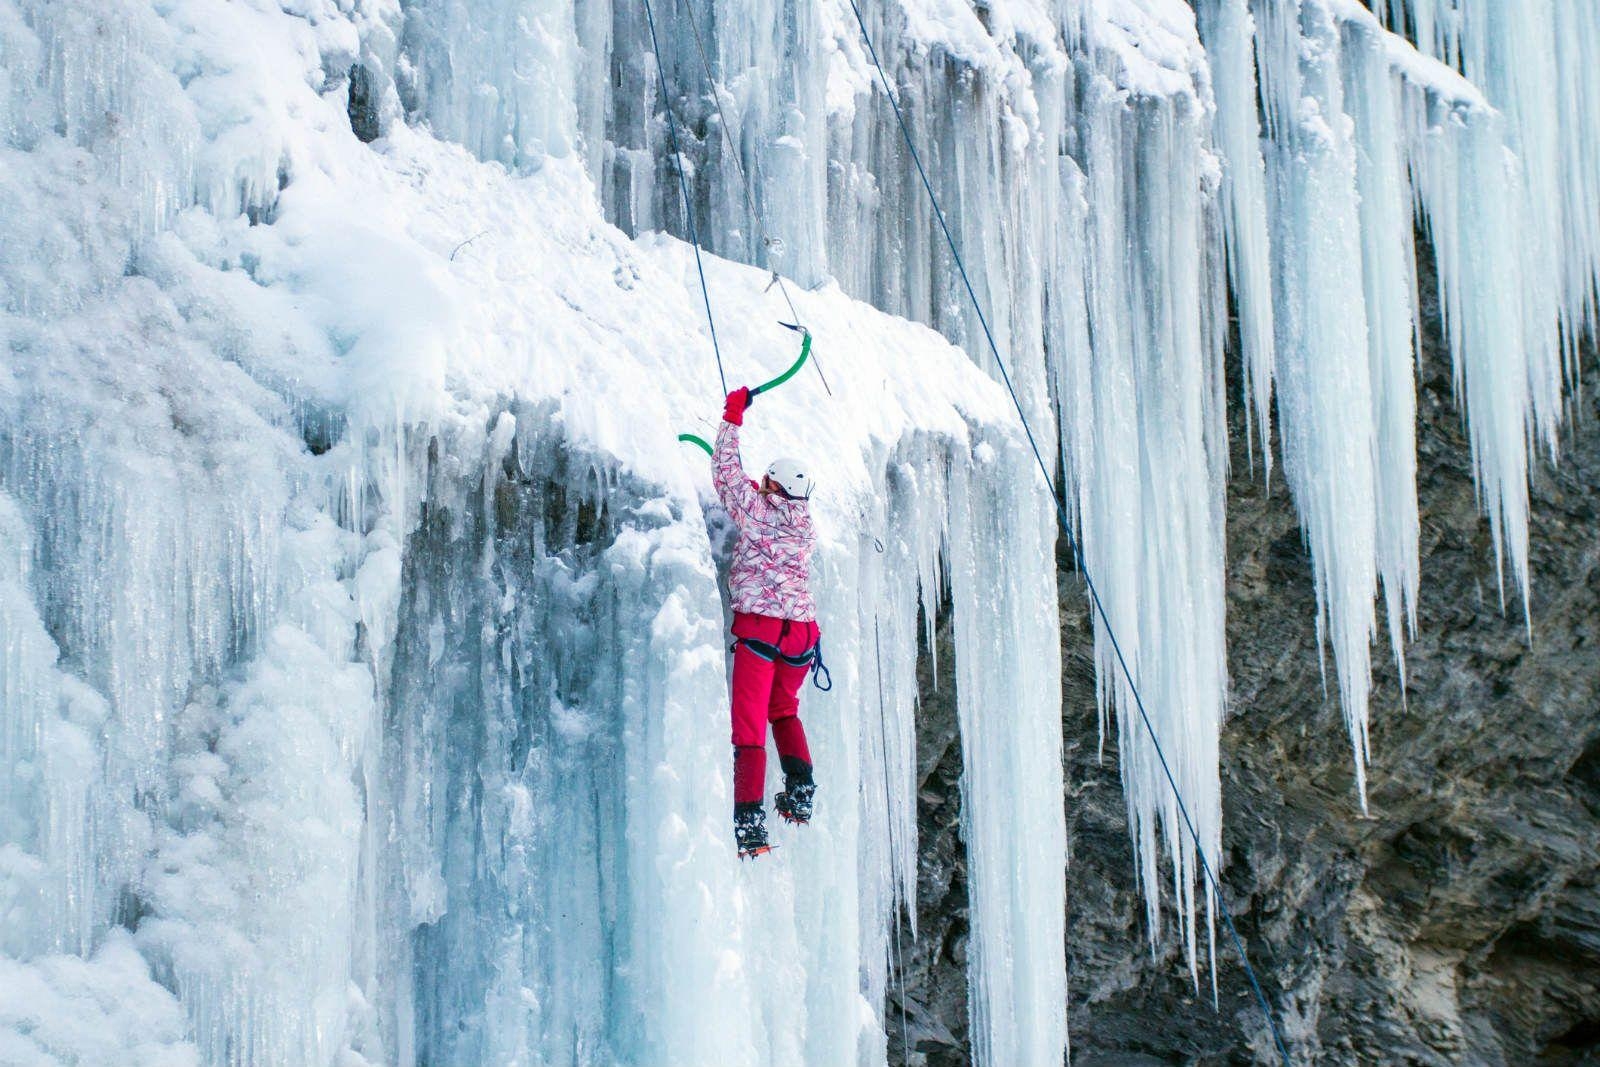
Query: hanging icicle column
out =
(1533, 231)
(1533, 60)
(1228, 32)
(1361, 130)
(1138, 376)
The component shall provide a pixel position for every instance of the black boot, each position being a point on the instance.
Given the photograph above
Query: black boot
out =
(794, 803)
(750, 829)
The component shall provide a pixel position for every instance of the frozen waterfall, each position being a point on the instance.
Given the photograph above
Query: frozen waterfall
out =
(362, 657)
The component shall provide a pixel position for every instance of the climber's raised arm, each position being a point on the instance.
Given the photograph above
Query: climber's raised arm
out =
(734, 488)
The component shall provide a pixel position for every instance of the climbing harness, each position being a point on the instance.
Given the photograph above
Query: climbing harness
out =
(811, 657)
(794, 368)
(1072, 541)
(820, 676)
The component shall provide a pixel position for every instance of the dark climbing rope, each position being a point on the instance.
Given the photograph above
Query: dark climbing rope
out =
(1077, 551)
(683, 185)
(744, 179)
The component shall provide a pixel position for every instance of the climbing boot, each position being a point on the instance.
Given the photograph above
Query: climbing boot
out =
(794, 803)
(750, 829)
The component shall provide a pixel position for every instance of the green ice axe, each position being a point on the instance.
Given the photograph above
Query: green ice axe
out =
(805, 352)
(693, 440)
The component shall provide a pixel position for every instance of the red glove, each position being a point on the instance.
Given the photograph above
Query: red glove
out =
(738, 400)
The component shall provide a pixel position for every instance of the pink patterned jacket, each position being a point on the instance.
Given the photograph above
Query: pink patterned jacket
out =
(771, 567)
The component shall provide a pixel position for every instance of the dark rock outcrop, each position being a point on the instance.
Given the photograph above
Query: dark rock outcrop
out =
(1457, 923)
(363, 105)
(927, 1009)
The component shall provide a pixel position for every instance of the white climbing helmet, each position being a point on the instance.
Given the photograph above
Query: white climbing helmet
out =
(791, 476)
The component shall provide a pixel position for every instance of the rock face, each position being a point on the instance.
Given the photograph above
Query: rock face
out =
(1459, 922)
(927, 1010)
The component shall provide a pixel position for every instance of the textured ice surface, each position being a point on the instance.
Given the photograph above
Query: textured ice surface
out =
(359, 637)
(67, 1010)
(364, 652)
(1364, 131)
(1139, 386)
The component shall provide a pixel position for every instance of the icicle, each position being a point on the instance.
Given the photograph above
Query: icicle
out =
(1390, 297)
(1529, 61)
(499, 78)
(61, 889)
(1140, 411)
(1468, 189)
(1325, 391)
(1228, 32)
(1008, 670)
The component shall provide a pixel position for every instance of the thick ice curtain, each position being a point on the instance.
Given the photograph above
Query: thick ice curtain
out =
(1141, 404)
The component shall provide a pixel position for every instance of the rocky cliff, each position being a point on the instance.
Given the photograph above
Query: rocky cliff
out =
(1457, 923)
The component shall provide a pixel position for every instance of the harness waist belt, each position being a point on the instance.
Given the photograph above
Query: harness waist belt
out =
(772, 652)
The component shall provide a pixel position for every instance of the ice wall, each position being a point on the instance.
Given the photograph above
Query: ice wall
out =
(363, 649)
(360, 648)
(1056, 137)
(1062, 136)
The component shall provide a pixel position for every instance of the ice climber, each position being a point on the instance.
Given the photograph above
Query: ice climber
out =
(774, 628)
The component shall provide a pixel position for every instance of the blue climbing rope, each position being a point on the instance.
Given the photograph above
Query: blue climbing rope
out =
(1072, 541)
(683, 184)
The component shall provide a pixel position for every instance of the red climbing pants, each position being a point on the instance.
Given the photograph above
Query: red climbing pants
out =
(767, 690)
